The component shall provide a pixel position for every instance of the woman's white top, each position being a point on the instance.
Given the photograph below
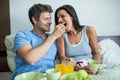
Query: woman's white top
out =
(79, 51)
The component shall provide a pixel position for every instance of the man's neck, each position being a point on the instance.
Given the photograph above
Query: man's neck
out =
(40, 33)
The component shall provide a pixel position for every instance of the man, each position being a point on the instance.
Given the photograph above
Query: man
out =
(35, 48)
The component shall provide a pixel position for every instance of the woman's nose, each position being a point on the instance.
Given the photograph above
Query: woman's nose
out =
(60, 20)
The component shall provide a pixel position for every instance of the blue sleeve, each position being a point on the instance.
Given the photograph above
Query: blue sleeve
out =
(21, 39)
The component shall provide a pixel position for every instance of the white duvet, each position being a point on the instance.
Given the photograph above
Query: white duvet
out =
(110, 52)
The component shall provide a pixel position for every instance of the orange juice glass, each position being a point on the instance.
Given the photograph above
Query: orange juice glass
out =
(64, 68)
(60, 67)
(68, 69)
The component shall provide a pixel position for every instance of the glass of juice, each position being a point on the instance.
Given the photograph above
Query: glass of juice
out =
(68, 69)
(60, 67)
(65, 68)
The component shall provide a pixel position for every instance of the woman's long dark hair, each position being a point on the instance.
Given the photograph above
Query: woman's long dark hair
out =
(71, 11)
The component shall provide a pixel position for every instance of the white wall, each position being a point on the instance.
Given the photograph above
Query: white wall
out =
(104, 15)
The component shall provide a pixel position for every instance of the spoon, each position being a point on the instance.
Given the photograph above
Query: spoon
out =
(36, 74)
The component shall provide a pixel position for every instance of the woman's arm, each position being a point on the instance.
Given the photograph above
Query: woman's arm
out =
(61, 48)
(92, 36)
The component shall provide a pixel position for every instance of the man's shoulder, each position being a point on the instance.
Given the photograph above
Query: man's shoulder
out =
(23, 32)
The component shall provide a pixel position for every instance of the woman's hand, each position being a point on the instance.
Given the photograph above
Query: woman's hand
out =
(89, 71)
(86, 68)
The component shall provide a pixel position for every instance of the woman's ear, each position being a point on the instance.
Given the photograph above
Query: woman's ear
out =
(34, 20)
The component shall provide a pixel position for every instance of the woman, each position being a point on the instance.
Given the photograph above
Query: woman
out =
(79, 42)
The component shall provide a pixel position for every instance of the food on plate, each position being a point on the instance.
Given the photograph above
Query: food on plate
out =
(80, 75)
(68, 62)
(72, 77)
(82, 63)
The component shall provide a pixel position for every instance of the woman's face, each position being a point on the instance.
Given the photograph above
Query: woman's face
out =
(64, 18)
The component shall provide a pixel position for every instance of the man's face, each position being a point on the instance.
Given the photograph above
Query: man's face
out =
(44, 22)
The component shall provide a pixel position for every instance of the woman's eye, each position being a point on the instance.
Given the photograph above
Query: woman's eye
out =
(62, 16)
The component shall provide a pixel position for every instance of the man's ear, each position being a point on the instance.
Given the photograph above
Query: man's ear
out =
(34, 20)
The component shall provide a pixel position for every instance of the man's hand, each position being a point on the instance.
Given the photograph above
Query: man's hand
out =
(58, 31)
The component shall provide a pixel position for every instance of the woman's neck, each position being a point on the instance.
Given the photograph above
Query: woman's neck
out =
(73, 32)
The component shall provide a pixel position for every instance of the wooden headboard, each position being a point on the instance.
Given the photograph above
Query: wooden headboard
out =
(114, 38)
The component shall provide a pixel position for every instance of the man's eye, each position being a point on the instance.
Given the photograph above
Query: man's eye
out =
(47, 18)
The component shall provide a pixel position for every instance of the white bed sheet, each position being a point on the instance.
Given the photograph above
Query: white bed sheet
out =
(110, 52)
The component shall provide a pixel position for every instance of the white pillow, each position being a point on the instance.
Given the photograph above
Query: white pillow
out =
(110, 52)
(9, 43)
(107, 44)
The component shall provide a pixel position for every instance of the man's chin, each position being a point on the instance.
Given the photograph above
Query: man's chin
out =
(47, 30)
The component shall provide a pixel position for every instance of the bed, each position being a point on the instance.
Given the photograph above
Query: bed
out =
(109, 48)
(10, 53)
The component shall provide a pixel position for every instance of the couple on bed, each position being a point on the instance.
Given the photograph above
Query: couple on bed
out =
(72, 41)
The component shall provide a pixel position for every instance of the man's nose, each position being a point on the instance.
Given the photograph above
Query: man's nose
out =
(49, 21)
